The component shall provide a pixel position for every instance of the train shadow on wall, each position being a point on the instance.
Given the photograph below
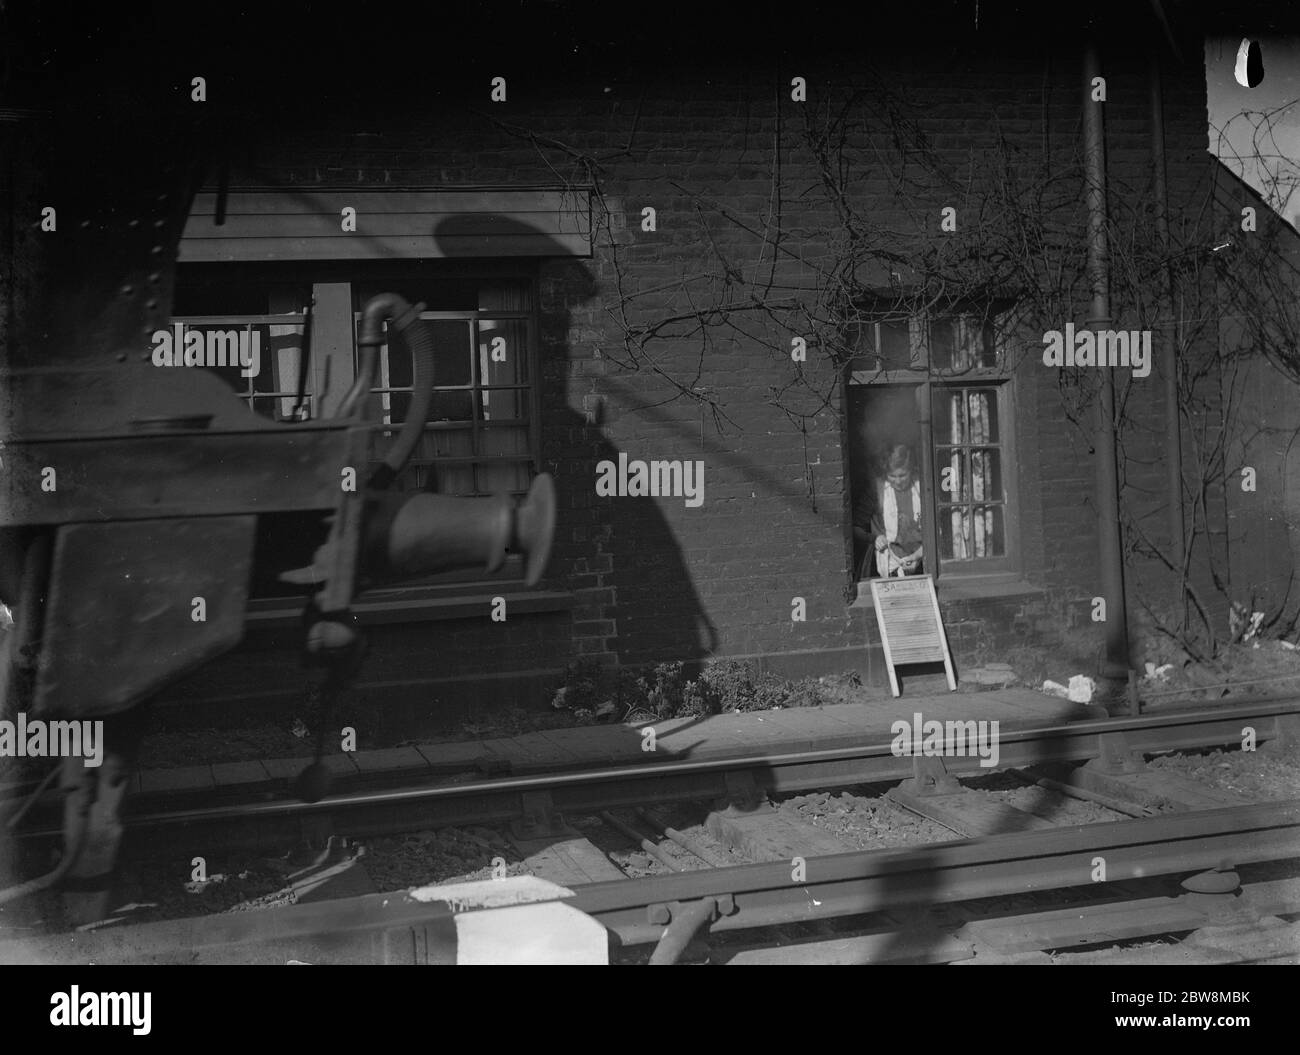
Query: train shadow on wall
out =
(617, 553)
(631, 594)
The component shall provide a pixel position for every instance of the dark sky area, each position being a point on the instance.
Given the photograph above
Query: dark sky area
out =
(313, 53)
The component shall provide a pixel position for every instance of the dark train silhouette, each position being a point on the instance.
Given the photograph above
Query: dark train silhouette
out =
(131, 495)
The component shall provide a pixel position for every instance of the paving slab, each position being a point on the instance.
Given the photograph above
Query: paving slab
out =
(862, 719)
(801, 732)
(389, 758)
(664, 726)
(685, 738)
(531, 752)
(749, 730)
(454, 754)
(338, 765)
(233, 774)
(179, 778)
(601, 743)
(722, 736)
(1044, 710)
(553, 743)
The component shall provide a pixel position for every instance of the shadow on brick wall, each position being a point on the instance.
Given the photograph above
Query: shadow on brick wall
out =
(635, 600)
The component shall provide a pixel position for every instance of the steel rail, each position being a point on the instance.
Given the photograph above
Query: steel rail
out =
(396, 927)
(962, 870)
(497, 800)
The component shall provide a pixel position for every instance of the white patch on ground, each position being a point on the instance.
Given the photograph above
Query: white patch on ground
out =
(494, 893)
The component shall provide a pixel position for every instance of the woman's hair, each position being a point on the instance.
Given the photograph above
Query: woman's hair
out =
(897, 459)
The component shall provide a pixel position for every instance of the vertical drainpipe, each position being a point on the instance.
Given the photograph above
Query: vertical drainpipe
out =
(1173, 438)
(1110, 552)
(929, 469)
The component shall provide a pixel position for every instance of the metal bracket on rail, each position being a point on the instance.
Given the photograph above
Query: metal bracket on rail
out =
(538, 818)
(743, 794)
(663, 913)
(930, 777)
(682, 921)
(1286, 733)
(1115, 755)
(1217, 894)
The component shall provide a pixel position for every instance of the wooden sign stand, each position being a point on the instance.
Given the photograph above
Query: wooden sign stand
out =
(911, 628)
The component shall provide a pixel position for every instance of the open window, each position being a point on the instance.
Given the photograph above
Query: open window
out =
(932, 389)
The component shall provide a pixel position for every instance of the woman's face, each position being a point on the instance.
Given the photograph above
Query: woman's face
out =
(900, 479)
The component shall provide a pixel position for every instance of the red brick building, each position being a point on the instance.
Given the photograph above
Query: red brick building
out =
(798, 194)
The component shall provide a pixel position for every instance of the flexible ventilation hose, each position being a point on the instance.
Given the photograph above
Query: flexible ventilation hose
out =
(403, 321)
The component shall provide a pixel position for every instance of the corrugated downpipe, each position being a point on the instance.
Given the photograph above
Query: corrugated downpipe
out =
(1110, 550)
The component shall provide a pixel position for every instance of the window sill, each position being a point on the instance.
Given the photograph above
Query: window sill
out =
(413, 606)
(984, 587)
(966, 588)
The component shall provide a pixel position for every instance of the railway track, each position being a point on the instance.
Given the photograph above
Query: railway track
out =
(1178, 861)
(746, 912)
(535, 801)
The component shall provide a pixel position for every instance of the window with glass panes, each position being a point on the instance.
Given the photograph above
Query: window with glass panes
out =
(274, 384)
(264, 313)
(480, 436)
(952, 363)
(482, 433)
(968, 456)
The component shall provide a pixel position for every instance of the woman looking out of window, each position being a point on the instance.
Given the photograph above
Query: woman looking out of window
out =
(897, 523)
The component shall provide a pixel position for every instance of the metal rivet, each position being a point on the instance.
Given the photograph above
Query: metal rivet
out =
(160, 223)
(151, 305)
(156, 249)
(85, 224)
(127, 290)
(133, 223)
(155, 278)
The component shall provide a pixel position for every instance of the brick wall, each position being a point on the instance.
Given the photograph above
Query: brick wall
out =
(651, 579)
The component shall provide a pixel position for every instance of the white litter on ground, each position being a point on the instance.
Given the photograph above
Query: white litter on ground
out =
(1079, 690)
(493, 893)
